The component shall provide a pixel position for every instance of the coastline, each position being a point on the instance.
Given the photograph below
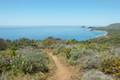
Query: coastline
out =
(99, 30)
(105, 34)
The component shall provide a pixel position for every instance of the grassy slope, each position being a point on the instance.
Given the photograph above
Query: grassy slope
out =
(113, 36)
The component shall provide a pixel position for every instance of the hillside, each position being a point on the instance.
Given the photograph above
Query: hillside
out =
(114, 26)
(113, 36)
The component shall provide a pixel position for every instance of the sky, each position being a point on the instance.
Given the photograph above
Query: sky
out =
(59, 12)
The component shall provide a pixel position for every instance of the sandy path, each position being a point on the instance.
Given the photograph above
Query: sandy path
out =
(62, 72)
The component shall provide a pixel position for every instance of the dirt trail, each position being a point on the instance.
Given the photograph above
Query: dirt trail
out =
(62, 72)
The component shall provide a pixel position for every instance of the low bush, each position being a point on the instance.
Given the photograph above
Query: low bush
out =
(3, 44)
(111, 65)
(89, 62)
(27, 62)
(95, 75)
(86, 57)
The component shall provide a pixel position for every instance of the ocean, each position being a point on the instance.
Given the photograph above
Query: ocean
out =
(43, 32)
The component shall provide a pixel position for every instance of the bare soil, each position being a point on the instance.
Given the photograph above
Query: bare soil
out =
(62, 72)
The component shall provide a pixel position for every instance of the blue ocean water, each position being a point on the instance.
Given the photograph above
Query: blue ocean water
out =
(40, 33)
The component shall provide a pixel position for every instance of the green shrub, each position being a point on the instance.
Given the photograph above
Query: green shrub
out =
(89, 62)
(4, 64)
(111, 65)
(28, 62)
(83, 55)
(95, 75)
(3, 44)
(49, 42)
(58, 50)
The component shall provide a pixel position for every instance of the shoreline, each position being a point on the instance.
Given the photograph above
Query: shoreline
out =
(105, 34)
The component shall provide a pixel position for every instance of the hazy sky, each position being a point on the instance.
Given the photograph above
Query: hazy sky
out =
(59, 12)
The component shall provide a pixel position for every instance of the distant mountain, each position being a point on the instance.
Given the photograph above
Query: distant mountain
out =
(114, 26)
(113, 36)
